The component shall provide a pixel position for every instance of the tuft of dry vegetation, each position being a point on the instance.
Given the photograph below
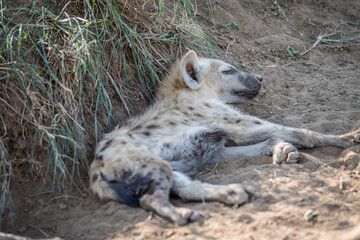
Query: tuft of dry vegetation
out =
(69, 70)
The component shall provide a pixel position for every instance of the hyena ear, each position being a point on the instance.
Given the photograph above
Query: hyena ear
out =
(190, 70)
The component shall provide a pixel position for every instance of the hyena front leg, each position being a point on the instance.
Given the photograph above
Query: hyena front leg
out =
(190, 190)
(281, 151)
(248, 129)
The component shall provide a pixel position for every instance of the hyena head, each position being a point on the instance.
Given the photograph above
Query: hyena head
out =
(229, 84)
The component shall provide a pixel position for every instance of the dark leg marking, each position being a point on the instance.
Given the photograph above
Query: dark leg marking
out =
(152, 126)
(136, 127)
(186, 114)
(94, 178)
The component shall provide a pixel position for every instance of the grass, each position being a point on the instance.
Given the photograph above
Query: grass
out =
(66, 69)
(5, 169)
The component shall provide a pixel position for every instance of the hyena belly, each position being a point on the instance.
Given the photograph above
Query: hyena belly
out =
(191, 151)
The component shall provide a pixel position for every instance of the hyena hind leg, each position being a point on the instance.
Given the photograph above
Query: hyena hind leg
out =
(157, 199)
(190, 190)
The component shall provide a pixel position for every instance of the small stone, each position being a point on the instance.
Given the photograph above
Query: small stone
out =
(22, 229)
(245, 219)
(62, 206)
(169, 234)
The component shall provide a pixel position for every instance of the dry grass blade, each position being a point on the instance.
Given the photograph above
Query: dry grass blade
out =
(318, 40)
(344, 37)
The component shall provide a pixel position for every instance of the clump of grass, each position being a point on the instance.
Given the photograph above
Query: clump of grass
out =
(233, 25)
(280, 12)
(66, 70)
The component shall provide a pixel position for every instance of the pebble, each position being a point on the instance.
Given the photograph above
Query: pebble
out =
(62, 206)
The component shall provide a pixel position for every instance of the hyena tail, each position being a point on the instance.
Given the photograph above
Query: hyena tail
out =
(127, 191)
(131, 190)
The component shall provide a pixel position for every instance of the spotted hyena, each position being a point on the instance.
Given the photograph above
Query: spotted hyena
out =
(186, 128)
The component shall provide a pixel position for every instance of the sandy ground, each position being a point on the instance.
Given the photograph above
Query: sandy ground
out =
(319, 90)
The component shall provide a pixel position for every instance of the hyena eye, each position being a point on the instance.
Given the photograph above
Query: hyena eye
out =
(229, 71)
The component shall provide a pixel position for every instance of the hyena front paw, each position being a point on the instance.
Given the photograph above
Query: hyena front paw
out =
(285, 153)
(236, 194)
(351, 138)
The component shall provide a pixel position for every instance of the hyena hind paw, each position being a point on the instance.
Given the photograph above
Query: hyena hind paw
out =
(186, 215)
(237, 194)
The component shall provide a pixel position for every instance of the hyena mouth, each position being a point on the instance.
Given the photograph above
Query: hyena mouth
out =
(248, 94)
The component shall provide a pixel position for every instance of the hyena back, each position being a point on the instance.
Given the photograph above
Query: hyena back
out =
(186, 128)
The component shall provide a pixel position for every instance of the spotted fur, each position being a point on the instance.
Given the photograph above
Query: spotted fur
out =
(186, 128)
